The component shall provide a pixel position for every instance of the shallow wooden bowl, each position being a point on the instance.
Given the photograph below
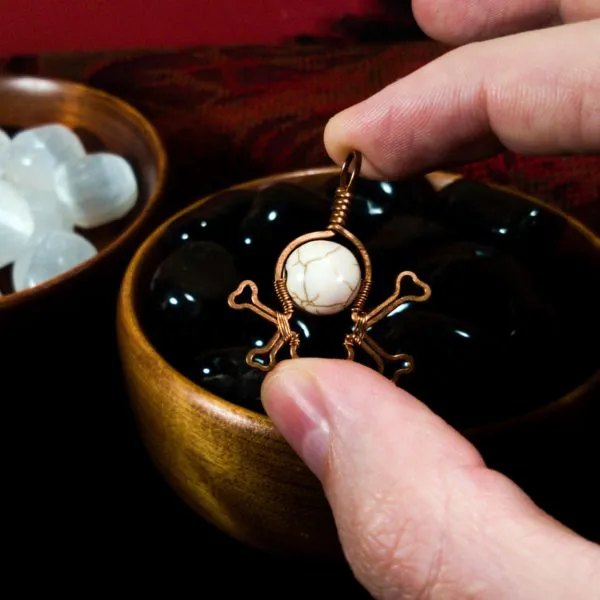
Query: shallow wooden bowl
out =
(103, 122)
(88, 291)
(58, 338)
(234, 469)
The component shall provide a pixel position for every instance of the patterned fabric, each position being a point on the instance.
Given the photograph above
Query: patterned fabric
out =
(229, 114)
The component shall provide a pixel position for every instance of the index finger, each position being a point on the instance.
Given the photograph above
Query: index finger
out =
(535, 93)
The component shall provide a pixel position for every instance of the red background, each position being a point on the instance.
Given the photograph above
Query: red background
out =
(33, 26)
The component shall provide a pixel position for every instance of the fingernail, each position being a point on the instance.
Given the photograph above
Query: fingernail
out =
(441, 179)
(292, 398)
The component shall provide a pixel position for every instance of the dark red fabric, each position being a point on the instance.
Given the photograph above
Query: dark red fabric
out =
(84, 25)
(228, 114)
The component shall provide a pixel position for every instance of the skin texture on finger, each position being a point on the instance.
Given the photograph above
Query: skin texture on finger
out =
(418, 513)
(463, 21)
(532, 93)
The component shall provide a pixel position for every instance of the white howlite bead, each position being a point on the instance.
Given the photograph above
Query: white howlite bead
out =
(97, 189)
(54, 253)
(322, 277)
(34, 154)
(4, 145)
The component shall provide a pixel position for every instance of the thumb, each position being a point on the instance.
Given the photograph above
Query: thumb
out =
(418, 513)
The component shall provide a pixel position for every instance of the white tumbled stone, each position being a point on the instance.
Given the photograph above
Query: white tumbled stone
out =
(56, 252)
(322, 277)
(48, 212)
(34, 154)
(4, 145)
(16, 223)
(97, 189)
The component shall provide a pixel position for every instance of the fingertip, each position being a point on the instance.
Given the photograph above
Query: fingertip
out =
(450, 22)
(273, 385)
(293, 399)
(432, 19)
(334, 140)
(342, 136)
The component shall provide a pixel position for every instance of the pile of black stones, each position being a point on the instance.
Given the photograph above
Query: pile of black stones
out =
(506, 329)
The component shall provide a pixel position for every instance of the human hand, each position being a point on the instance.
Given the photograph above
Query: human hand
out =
(419, 514)
(533, 92)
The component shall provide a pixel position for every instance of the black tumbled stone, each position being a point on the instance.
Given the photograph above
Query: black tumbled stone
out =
(508, 328)
(224, 372)
(217, 222)
(495, 215)
(320, 336)
(374, 203)
(279, 214)
(482, 342)
(188, 297)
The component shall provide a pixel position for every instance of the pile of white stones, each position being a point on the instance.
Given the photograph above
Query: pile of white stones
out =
(50, 190)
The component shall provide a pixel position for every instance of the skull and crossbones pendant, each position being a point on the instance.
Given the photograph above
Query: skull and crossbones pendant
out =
(323, 273)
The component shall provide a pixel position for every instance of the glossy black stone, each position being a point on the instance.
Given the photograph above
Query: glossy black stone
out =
(397, 245)
(278, 214)
(224, 372)
(511, 324)
(187, 300)
(494, 215)
(481, 284)
(490, 331)
(376, 202)
(319, 335)
(215, 222)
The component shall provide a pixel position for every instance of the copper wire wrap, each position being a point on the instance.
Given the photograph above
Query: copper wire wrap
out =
(359, 331)
(283, 325)
(341, 207)
(363, 294)
(283, 296)
(362, 320)
(342, 199)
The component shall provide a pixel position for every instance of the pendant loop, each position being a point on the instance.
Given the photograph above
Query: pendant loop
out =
(347, 176)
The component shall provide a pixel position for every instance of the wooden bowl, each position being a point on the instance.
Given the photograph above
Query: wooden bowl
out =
(58, 338)
(103, 122)
(235, 470)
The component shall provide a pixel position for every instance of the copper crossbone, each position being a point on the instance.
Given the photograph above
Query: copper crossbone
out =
(284, 335)
(363, 321)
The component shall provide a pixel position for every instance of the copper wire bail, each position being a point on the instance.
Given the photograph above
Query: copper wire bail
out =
(343, 195)
(342, 203)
